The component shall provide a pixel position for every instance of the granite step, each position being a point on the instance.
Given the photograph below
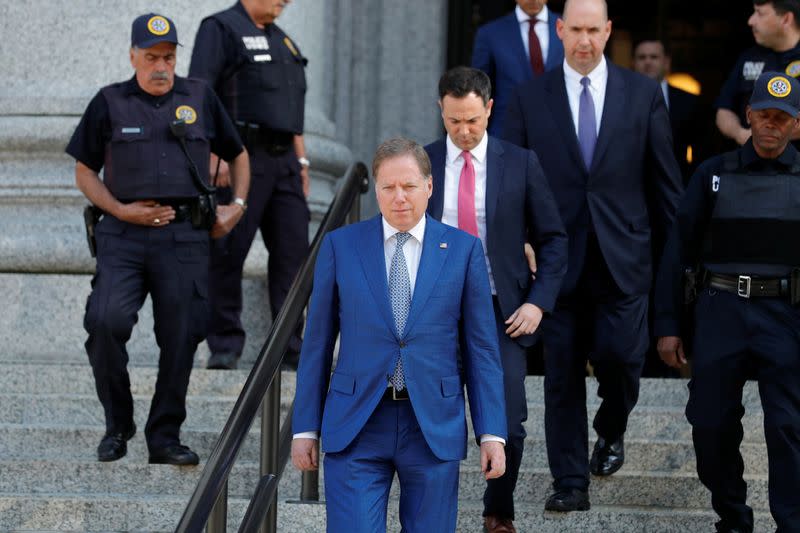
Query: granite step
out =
(625, 488)
(64, 512)
(78, 443)
(209, 413)
(97, 512)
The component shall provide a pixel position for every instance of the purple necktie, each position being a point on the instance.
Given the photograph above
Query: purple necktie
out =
(587, 124)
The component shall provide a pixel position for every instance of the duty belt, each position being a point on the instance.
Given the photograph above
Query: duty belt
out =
(750, 286)
(271, 141)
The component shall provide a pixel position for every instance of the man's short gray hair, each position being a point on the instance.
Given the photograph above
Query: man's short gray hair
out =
(400, 146)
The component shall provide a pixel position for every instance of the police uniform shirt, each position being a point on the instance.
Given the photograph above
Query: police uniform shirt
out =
(735, 93)
(685, 246)
(88, 142)
(217, 55)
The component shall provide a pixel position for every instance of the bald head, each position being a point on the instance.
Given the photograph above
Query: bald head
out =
(600, 3)
(584, 30)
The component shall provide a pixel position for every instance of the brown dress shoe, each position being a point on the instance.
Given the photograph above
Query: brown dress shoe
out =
(494, 524)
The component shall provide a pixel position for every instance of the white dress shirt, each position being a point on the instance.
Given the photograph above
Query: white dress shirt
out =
(542, 30)
(665, 91)
(412, 250)
(599, 80)
(454, 163)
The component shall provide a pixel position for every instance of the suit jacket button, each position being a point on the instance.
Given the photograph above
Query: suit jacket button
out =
(402, 344)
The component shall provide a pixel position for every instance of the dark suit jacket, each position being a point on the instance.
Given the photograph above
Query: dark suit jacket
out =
(519, 207)
(687, 129)
(500, 53)
(633, 161)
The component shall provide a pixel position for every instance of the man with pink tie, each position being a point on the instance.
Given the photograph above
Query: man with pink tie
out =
(498, 192)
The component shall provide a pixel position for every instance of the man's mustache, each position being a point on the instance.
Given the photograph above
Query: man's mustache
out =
(159, 76)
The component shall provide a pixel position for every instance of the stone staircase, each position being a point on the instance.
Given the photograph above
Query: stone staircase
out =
(51, 422)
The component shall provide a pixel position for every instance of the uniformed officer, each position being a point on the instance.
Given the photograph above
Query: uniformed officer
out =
(153, 237)
(258, 72)
(776, 29)
(740, 221)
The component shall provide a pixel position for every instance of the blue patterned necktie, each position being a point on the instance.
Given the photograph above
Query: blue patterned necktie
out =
(400, 296)
(587, 123)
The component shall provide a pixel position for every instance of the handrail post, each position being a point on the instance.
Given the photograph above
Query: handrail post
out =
(218, 519)
(309, 486)
(270, 431)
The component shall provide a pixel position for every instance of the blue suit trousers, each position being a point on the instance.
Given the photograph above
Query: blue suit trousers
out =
(358, 479)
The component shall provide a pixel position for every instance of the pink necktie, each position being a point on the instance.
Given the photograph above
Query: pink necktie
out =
(467, 220)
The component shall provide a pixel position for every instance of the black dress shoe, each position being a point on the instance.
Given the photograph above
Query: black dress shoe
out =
(567, 500)
(115, 445)
(607, 457)
(223, 361)
(177, 454)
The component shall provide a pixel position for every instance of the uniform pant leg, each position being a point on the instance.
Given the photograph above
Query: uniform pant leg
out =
(118, 292)
(358, 478)
(620, 343)
(228, 254)
(498, 499)
(284, 228)
(178, 276)
(565, 418)
(777, 347)
(719, 371)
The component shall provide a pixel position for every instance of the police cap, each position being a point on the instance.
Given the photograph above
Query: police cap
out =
(774, 90)
(150, 29)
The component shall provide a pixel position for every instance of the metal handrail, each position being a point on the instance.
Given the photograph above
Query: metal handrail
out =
(211, 489)
(262, 500)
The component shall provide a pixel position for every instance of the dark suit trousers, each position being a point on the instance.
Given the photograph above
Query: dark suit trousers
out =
(596, 321)
(498, 500)
(276, 206)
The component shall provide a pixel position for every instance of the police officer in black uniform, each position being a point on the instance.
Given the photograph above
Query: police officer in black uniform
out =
(153, 236)
(259, 74)
(776, 29)
(739, 223)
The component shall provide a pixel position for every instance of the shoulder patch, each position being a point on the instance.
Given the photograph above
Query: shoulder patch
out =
(186, 113)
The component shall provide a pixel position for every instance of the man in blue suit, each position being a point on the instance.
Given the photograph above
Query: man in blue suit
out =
(512, 51)
(603, 137)
(498, 191)
(400, 289)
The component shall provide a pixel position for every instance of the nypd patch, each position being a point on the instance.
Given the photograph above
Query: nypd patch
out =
(779, 87)
(186, 114)
(158, 25)
(793, 69)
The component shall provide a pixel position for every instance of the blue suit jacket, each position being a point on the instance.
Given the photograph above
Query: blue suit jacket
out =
(519, 207)
(351, 297)
(500, 53)
(634, 182)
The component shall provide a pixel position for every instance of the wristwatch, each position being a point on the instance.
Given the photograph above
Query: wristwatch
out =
(304, 161)
(241, 203)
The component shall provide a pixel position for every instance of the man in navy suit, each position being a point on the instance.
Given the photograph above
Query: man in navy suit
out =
(410, 297)
(603, 137)
(511, 52)
(498, 192)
